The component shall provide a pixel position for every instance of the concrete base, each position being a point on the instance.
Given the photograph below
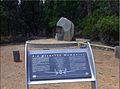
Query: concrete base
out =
(52, 43)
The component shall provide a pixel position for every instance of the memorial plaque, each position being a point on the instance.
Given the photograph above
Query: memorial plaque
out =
(59, 66)
(56, 66)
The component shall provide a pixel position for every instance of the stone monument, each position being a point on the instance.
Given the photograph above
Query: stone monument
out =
(64, 30)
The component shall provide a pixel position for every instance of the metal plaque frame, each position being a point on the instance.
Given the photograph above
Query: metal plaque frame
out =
(89, 52)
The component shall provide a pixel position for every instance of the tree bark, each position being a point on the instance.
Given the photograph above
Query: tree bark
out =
(89, 7)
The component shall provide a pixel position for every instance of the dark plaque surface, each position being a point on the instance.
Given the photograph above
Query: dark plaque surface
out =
(59, 66)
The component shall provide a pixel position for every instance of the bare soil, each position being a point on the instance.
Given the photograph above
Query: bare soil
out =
(13, 73)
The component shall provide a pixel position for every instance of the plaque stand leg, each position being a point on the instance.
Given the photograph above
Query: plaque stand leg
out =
(94, 84)
(27, 87)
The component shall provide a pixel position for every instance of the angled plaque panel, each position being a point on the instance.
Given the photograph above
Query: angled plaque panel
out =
(58, 66)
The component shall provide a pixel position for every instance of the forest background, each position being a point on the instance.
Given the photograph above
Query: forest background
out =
(97, 20)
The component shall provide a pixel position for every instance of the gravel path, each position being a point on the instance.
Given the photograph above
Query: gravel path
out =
(13, 75)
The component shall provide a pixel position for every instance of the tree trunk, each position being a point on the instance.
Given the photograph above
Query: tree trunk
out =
(89, 7)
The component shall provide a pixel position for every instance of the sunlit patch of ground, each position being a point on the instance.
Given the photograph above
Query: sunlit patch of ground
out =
(13, 74)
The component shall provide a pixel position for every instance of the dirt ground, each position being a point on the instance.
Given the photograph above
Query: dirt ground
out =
(13, 74)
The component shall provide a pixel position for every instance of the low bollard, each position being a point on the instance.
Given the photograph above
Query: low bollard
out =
(117, 52)
(16, 55)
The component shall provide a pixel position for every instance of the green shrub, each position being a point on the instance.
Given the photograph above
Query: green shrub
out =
(88, 27)
(53, 22)
(108, 27)
(103, 28)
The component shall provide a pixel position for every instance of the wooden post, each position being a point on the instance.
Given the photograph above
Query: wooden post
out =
(117, 52)
(16, 55)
